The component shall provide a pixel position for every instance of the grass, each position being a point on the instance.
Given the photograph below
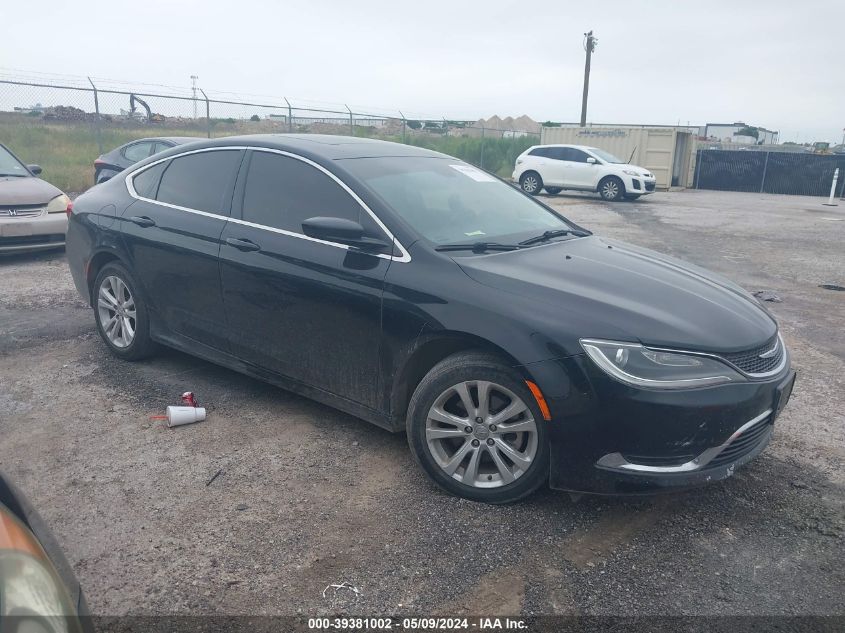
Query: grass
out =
(66, 151)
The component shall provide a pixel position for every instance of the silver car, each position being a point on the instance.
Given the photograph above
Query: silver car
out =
(33, 213)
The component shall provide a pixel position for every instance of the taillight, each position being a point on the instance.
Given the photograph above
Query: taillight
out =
(99, 162)
(69, 209)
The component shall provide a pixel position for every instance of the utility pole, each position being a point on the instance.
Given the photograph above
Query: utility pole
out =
(194, 91)
(589, 46)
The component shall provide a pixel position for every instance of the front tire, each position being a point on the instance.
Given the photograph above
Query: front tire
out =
(612, 189)
(477, 431)
(121, 313)
(531, 183)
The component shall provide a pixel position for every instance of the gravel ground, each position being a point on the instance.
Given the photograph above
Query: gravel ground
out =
(309, 496)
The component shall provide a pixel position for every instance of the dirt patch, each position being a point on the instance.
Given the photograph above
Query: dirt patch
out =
(615, 528)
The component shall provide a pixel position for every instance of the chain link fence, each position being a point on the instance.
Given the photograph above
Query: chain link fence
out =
(65, 125)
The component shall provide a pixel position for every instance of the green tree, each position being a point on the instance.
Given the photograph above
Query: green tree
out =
(749, 130)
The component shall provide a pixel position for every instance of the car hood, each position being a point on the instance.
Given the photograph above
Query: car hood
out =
(26, 191)
(608, 288)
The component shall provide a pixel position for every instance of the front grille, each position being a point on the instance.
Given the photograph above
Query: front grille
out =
(744, 444)
(649, 186)
(750, 362)
(23, 240)
(21, 211)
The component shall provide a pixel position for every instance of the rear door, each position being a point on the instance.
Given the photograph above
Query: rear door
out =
(580, 173)
(304, 308)
(172, 234)
(558, 167)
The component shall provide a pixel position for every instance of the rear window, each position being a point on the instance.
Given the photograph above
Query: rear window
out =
(146, 183)
(199, 181)
(138, 151)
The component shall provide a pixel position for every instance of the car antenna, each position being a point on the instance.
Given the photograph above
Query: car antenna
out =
(630, 158)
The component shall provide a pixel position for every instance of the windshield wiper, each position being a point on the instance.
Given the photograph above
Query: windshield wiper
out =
(13, 175)
(477, 247)
(545, 236)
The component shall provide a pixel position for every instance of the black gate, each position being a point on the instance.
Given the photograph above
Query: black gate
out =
(768, 172)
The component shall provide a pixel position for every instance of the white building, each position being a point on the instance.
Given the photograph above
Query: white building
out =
(730, 133)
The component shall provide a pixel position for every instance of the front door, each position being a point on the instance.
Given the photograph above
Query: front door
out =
(304, 308)
(580, 173)
(172, 236)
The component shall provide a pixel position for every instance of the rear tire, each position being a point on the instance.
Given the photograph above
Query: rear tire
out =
(611, 189)
(553, 191)
(531, 183)
(458, 425)
(121, 313)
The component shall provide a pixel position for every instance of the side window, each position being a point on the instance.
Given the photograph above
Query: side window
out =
(560, 153)
(160, 147)
(282, 192)
(138, 151)
(199, 181)
(578, 156)
(146, 183)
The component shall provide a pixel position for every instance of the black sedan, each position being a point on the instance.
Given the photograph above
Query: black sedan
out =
(424, 295)
(118, 159)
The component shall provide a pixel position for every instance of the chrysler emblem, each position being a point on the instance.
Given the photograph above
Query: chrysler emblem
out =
(771, 352)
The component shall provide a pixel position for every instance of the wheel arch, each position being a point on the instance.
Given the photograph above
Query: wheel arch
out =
(95, 264)
(615, 177)
(530, 170)
(426, 355)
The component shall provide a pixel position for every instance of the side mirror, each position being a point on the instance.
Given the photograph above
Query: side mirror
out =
(341, 231)
(34, 169)
(591, 160)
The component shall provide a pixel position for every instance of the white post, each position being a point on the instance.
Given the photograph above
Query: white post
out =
(830, 202)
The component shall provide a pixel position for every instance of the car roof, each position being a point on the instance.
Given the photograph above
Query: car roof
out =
(325, 146)
(173, 139)
(590, 147)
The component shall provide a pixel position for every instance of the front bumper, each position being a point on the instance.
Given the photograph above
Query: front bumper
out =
(639, 185)
(32, 233)
(610, 438)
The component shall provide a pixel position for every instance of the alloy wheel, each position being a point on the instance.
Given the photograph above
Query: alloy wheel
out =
(116, 308)
(530, 184)
(481, 434)
(610, 190)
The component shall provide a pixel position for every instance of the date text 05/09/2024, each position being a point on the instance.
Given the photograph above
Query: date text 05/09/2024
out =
(418, 624)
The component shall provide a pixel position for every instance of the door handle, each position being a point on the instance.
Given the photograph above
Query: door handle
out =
(142, 221)
(243, 244)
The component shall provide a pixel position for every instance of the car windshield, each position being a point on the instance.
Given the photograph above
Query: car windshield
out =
(606, 156)
(9, 165)
(450, 202)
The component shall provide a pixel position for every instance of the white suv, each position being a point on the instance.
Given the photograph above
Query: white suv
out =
(557, 167)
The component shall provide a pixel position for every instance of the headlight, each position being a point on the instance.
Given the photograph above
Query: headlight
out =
(631, 172)
(58, 204)
(633, 364)
(32, 596)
